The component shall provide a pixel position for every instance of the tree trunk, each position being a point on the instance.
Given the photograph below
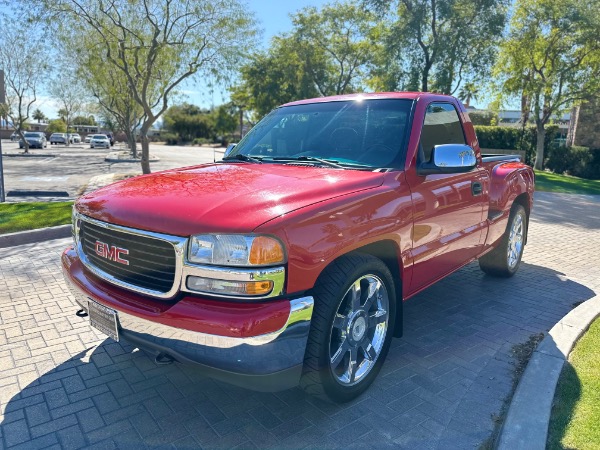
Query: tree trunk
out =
(539, 154)
(145, 150)
(132, 144)
(25, 143)
(424, 79)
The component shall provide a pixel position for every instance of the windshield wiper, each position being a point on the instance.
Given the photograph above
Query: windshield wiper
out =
(330, 163)
(242, 157)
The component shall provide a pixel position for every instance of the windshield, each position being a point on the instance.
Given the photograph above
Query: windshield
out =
(31, 135)
(367, 133)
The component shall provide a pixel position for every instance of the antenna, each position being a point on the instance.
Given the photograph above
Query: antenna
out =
(214, 155)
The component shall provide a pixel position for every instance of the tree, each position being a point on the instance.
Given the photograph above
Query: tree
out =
(224, 120)
(188, 122)
(110, 87)
(70, 94)
(84, 120)
(38, 115)
(22, 62)
(56, 126)
(550, 59)
(483, 117)
(469, 91)
(327, 52)
(333, 42)
(156, 44)
(437, 45)
(273, 78)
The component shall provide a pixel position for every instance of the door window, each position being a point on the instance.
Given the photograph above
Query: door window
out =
(441, 126)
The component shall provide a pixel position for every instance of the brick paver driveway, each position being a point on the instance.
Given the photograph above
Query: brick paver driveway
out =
(63, 384)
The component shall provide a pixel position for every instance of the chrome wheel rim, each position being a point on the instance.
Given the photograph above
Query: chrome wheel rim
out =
(359, 329)
(515, 241)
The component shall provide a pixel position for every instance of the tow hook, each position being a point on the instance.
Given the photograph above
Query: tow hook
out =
(162, 359)
(81, 313)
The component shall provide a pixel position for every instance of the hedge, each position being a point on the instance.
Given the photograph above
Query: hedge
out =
(515, 138)
(581, 162)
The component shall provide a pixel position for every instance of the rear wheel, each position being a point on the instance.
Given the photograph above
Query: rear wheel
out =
(505, 259)
(351, 328)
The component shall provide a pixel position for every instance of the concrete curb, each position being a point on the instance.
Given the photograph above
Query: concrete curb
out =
(118, 157)
(30, 155)
(526, 424)
(31, 236)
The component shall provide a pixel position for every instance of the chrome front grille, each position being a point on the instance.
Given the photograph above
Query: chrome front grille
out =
(151, 265)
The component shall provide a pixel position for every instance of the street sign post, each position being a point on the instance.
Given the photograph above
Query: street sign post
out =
(2, 102)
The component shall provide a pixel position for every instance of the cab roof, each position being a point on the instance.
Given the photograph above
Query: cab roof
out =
(369, 96)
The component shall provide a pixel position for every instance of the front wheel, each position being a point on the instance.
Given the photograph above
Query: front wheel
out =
(351, 328)
(505, 259)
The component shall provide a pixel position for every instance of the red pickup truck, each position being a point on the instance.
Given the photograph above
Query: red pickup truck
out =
(288, 261)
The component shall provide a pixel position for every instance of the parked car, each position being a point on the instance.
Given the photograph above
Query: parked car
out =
(99, 141)
(35, 139)
(58, 138)
(74, 138)
(289, 261)
(87, 138)
(14, 136)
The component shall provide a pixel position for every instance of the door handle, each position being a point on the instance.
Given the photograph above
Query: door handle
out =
(476, 188)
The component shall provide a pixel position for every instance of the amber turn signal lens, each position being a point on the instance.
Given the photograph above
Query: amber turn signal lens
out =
(259, 287)
(242, 288)
(266, 250)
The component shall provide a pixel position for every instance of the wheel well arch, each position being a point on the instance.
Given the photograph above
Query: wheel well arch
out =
(388, 252)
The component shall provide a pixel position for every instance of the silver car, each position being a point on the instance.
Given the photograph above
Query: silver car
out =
(99, 141)
(58, 138)
(34, 139)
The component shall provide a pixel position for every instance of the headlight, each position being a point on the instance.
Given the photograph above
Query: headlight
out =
(235, 250)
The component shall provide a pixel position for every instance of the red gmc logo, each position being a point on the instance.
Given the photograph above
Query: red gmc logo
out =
(111, 252)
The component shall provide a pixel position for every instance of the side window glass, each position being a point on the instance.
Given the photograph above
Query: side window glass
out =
(441, 126)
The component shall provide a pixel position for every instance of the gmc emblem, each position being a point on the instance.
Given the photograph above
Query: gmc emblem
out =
(111, 252)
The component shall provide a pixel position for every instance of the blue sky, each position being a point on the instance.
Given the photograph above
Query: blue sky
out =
(274, 14)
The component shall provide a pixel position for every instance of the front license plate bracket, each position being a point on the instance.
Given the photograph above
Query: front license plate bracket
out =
(103, 319)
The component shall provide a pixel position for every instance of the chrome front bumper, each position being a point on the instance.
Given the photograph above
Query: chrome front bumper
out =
(268, 362)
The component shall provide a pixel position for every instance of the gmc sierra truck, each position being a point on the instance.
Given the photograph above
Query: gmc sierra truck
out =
(288, 262)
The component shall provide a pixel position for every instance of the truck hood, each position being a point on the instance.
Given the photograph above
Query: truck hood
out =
(233, 197)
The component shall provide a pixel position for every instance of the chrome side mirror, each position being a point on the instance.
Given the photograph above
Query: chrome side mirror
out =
(449, 158)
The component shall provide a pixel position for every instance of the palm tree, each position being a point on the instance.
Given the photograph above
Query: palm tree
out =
(469, 91)
(62, 114)
(38, 115)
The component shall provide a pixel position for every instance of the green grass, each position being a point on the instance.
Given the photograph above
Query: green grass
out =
(575, 420)
(27, 216)
(551, 182)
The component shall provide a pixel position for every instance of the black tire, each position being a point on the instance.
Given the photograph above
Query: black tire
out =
(318, 377)
(497, 262)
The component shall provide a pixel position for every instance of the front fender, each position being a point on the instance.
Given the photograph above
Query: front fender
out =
(318, 234)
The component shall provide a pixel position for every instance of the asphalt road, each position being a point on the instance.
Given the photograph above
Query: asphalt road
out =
(68, 169)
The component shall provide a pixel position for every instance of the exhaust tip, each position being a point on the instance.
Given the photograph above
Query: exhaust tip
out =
(81, 313)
